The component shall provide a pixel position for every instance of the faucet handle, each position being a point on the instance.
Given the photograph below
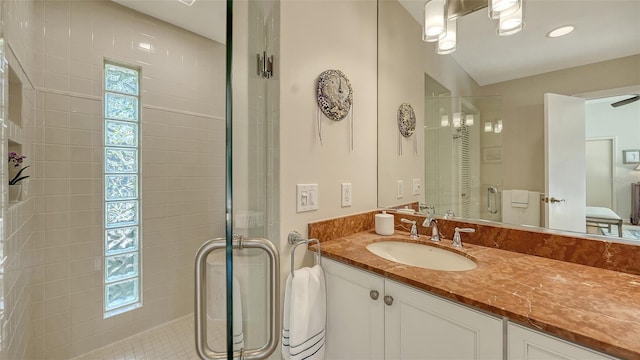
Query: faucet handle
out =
(414, 230)
(457, 240)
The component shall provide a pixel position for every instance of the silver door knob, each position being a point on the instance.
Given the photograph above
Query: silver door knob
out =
(388, 299)
(374, 294)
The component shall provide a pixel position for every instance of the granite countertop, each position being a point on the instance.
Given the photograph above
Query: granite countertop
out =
(594, 307)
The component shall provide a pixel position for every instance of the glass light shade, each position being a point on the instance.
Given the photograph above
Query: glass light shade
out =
(488, 126)
(499, 8)
(444, 120)
(511, 24)
(457, 120)
(434, 20)
(447, 45)
(468, 120)
(498, 128)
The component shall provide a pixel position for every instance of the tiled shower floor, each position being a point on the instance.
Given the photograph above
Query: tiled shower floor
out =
(171, 341)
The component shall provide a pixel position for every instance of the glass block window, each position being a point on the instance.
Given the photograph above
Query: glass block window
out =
(121, 189)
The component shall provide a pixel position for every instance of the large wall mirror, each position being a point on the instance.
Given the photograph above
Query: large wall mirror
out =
(482, 147)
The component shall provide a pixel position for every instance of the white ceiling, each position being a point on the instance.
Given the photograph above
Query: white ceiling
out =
(605, 29)
(204, 17)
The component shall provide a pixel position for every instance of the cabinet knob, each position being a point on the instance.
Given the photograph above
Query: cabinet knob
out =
(388, 299)
(374, 294)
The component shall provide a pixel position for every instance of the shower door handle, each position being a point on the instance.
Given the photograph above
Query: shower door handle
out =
(202, 347)
(492, 190)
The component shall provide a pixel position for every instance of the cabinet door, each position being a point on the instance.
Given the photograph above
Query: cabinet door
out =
(533, 345)
(423, 326)
(355, 321)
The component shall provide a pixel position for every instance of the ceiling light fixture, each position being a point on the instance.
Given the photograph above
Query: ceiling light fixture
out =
(440, 19)
(500, 8)
(468, 120)
(435, 15)
(187, 2)
(447, 44)
(511, 24)
(561, 31)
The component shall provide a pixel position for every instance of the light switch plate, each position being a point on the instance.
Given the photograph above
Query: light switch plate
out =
(400, 189)
(306, 197)
(417, 187)
(346, 194)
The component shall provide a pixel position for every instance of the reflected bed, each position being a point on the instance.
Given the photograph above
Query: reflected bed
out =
(602, 217)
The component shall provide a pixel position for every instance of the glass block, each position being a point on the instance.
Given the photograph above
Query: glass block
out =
(120, 160)
(121, 266)
(118, 133)
(121, 240)
(121, 187)
(121, 107)
(121, 213)
(122, 293)
(120, 79)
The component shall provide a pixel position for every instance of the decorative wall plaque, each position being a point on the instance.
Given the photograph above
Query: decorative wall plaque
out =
(406, 120)
(334, 94)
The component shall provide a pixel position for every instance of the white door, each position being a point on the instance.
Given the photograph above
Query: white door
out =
(565, 184)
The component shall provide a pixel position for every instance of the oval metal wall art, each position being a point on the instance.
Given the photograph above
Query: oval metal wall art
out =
(406, 120)
(334, 94)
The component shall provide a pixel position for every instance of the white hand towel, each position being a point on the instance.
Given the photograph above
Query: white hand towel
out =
(305, 314)
(520, 198)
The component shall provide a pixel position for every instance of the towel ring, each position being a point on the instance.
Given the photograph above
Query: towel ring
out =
(296, 239)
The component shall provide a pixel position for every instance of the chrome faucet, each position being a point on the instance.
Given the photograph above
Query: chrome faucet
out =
(431, 222)
(414, 230)
(457, 240)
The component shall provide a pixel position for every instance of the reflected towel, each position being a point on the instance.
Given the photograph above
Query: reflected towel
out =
(520, 198)
(238, 333)
(305, 314)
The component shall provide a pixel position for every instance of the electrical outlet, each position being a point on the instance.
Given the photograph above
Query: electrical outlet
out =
(346, 194)
(306, 197)
(417, 188)
(400, 189)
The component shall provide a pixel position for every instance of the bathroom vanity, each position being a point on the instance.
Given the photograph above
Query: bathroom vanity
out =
(514, 304)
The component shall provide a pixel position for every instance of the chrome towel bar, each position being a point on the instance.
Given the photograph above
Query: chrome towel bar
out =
(296, 239)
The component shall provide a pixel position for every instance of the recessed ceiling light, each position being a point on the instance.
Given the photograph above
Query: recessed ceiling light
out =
(187, 2)
(561, 31)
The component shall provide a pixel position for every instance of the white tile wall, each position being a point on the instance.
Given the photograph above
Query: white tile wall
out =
(62, 46)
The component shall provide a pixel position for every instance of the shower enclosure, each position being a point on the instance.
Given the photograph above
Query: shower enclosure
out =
(463, 155)
(121, 116)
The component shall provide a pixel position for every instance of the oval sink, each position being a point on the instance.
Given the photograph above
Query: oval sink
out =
(424, 256)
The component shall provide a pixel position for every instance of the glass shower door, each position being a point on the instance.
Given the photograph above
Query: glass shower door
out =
(237, 277)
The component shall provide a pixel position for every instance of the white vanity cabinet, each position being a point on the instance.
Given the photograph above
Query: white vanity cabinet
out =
(527, 344)
(423, 326)
(355, 315)
(401, 322)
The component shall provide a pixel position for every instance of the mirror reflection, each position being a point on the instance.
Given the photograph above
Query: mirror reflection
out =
(485, 151)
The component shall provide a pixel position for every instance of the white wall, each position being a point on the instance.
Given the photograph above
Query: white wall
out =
(403, 61)
(523, 115)
(317, 36)
(623, 124)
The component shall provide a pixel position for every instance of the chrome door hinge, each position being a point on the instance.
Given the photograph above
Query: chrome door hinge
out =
(265, 65)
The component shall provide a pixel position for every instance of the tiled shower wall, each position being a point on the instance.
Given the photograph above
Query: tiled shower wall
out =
(62, 46)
